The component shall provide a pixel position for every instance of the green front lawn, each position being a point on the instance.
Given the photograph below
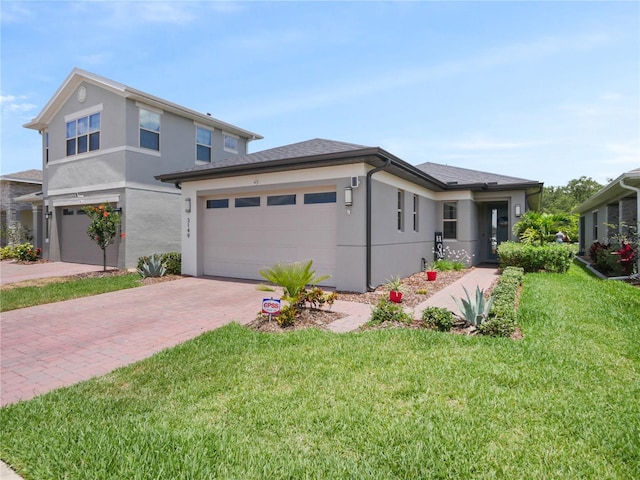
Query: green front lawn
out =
(22, 297)
(233, 403)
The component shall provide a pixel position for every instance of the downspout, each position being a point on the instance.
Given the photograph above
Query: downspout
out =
(369, 218)
(637, 190)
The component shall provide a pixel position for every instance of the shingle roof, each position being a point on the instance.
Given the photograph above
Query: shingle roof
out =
(31, 176)
(465, 176)
(319, 151)
(295, 151)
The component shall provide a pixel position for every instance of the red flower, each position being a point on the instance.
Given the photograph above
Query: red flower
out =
(122, 235)
(105, 214)
(101, 207)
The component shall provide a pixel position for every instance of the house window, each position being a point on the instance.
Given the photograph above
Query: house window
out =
(450, 220)
(230, 143)
(274, 200)
(247, 202)
(400, 211)
(67, 211)
(46, 147)
(83, 134)
(595, 226)
(219, 203)
(323, 197)
(203, 144)
(416, 202)
(149, 129)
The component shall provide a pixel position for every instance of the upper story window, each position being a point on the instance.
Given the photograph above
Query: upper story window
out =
(203, 144)
(83, 134)
(450, 220)
(149, 129)
(230, 143)
(400, 211)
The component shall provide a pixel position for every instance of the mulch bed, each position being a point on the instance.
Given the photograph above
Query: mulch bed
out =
(309, 318)
(415, 289)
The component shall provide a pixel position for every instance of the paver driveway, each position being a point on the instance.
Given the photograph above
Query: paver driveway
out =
(59, 344)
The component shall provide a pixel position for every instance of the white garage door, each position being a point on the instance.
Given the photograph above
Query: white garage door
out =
(246, 233)
(75, 244)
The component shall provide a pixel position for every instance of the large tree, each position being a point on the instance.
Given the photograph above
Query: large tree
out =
(563, 199)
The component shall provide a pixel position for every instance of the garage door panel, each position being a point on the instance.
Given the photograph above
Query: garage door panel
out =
(238, 242)
(75, 244)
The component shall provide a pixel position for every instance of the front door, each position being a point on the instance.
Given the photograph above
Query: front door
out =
(498, 219)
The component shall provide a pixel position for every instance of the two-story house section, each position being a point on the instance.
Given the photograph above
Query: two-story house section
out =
(102, 143)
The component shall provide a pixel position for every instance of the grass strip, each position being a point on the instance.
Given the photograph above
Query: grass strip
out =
(22, 297)
(387, 404)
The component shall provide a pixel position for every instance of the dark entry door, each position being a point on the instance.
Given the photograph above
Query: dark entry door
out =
(498, 218)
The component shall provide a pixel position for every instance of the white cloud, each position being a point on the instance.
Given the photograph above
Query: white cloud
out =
(11, 103)
(15, 12)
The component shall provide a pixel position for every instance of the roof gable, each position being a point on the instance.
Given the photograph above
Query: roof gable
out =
(78, 76)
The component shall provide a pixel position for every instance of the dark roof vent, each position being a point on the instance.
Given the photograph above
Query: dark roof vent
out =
(452, 183)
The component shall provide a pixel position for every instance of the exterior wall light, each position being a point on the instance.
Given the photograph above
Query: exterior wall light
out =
(518, 210)
(348, 197)
(187, 205)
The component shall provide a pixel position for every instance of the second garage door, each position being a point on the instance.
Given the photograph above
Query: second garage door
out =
(244, 234)
(75, 244)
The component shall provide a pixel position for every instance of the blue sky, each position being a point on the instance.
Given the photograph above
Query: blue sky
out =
(547, 91)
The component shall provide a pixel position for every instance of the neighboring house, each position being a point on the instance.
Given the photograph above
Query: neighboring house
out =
(611, 210)
(360, 213)
(13, 211)
(103, 142)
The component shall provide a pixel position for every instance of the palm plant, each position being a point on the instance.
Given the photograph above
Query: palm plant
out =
(539, 228)
(474, 311)
(292, 277)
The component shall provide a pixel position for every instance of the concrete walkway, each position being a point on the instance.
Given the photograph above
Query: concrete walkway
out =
(12, 272)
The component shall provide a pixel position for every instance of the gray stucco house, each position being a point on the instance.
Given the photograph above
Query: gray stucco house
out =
(14, 188)
(361, 213)
(104, 142)
(611, 210)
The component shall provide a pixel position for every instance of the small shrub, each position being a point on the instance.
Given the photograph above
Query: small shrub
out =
(388, 311)
(497, 327)
(153, 267)
(6, 252)
(439, 318)
(172, 262)
(26, 252)
(552, 257)
(287, 316)
(316, 298)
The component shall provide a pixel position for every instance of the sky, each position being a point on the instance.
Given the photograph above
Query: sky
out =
(546, 91)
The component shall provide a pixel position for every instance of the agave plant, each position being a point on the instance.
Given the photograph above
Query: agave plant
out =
(474, 311)
(153, 267)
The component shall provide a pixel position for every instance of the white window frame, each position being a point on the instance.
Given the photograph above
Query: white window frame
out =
(225, 136)
(210, 146)
(159, 132)
(449, 220)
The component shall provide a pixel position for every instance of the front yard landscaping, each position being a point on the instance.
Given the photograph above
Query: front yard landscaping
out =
(382, 404)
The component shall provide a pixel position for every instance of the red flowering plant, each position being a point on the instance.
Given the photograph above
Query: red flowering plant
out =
(105, 222)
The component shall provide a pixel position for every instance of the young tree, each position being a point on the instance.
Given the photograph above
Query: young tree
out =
(104, 227)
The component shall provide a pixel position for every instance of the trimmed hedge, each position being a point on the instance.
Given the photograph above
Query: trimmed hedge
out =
(503, 316)
(553, 257)
(172, 262)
